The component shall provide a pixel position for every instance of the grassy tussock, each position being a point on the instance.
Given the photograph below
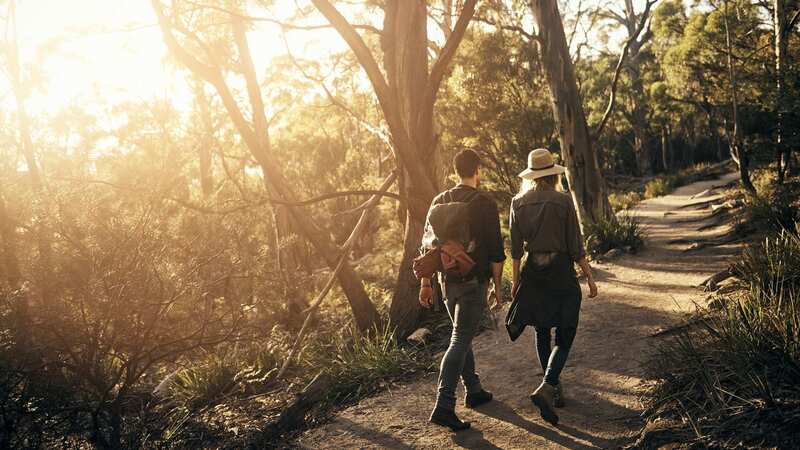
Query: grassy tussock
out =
(623, 232)
(621, 201)
(361, 364)
(736, 380)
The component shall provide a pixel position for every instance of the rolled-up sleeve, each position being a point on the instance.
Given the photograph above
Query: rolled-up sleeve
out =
(495, 250)
(517, 250)
(574, 237)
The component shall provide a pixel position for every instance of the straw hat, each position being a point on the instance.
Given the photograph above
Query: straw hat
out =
(541, 164)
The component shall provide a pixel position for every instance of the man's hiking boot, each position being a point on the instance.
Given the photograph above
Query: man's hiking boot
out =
(543, 399)
(558, 397)
(448, 419)
(477, 399)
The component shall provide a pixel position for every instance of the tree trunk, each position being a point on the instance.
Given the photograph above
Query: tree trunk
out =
(781, 149)
(255, 134)
(738, 152)
(8, 239)
(407, 96)
(583, 173)
(206, 139)
(665, 147)
(405, 42)
(641, 130)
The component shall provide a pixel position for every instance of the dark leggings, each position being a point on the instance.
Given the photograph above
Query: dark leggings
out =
(553, 361)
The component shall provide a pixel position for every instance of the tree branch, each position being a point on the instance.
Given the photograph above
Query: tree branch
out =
(358, 46)
(618, 70)
(449, 50)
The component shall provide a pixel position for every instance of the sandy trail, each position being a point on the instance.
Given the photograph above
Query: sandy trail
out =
(639, 294)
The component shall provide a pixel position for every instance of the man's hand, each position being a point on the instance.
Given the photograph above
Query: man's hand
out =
(426, 295)
(592, 288)
(497, 294)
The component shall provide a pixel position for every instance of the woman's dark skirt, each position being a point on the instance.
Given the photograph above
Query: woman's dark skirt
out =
(548, 296)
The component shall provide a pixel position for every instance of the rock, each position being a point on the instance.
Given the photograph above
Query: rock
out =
(420, 336)
(613, 253)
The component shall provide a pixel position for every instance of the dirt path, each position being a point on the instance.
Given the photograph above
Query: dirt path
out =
(639, 294)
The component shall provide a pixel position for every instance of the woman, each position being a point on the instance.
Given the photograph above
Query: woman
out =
(546, 294)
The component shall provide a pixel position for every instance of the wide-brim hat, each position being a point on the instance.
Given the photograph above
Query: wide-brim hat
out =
(541, 164)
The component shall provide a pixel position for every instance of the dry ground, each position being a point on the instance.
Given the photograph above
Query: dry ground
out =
(639, 295)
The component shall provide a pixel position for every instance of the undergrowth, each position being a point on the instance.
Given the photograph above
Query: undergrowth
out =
(735, 381)
(360, 365)
(622, 232)
(624, 200)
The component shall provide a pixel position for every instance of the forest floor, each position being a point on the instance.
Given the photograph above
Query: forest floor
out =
(640, 295)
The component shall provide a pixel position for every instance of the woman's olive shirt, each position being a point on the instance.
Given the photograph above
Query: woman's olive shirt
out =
(545, 221)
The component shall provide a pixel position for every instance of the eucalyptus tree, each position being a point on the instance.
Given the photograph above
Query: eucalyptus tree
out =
(407, 88)
(585, 178)
(214, 58)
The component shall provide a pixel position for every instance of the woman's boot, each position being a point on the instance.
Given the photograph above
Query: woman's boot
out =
(542, 397)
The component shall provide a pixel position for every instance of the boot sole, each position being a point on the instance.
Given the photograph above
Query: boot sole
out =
(547, 412)
(473, 405)
(451, 428)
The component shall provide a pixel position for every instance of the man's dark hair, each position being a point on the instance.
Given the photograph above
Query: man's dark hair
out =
(466, 163)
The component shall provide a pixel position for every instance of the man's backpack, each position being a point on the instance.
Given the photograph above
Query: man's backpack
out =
(448, 239)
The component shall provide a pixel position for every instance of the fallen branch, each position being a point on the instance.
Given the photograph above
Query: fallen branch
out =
(294, 415)
(710, 283)
(324, 292)
(702, 202)
(680, 327)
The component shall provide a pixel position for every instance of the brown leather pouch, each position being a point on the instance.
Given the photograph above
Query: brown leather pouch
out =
(426, 265)
(455, 259)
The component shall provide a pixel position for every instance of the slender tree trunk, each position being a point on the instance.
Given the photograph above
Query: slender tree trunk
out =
(583, 173)
(781, 149)
(255, 134)
(8, 239)
(665, 147)
(641, 129)
(737, 149)
(206, 139)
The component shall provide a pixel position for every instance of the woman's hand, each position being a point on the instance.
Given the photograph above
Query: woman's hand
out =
(426, 295)
(592, 288)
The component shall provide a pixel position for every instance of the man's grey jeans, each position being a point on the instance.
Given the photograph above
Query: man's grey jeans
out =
(465, 304)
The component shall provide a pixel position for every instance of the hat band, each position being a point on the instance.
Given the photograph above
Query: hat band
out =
(544, 168)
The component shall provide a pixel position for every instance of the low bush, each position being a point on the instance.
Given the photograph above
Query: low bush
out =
(359, 365)
(623, 232)
(624, 200)
(773, 266)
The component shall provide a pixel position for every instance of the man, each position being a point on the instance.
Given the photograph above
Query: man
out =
(466, 295)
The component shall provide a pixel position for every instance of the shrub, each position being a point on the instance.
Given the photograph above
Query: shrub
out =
(360, 364)
(623, 232)
(773, 266)
(663, 185)
(621, 201)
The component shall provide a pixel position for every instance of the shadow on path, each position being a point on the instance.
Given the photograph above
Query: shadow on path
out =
(505, 413)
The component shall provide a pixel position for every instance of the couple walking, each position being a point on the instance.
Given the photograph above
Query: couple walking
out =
(547, 296)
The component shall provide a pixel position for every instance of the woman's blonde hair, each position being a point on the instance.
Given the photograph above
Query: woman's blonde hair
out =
(550, 181)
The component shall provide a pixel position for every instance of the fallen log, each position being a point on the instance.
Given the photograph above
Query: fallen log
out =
(710, 283)
(693, 322)
(294, 416)
(703, 202)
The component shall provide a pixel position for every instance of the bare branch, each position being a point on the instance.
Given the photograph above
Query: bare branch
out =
(449, 49)
(618, 70)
